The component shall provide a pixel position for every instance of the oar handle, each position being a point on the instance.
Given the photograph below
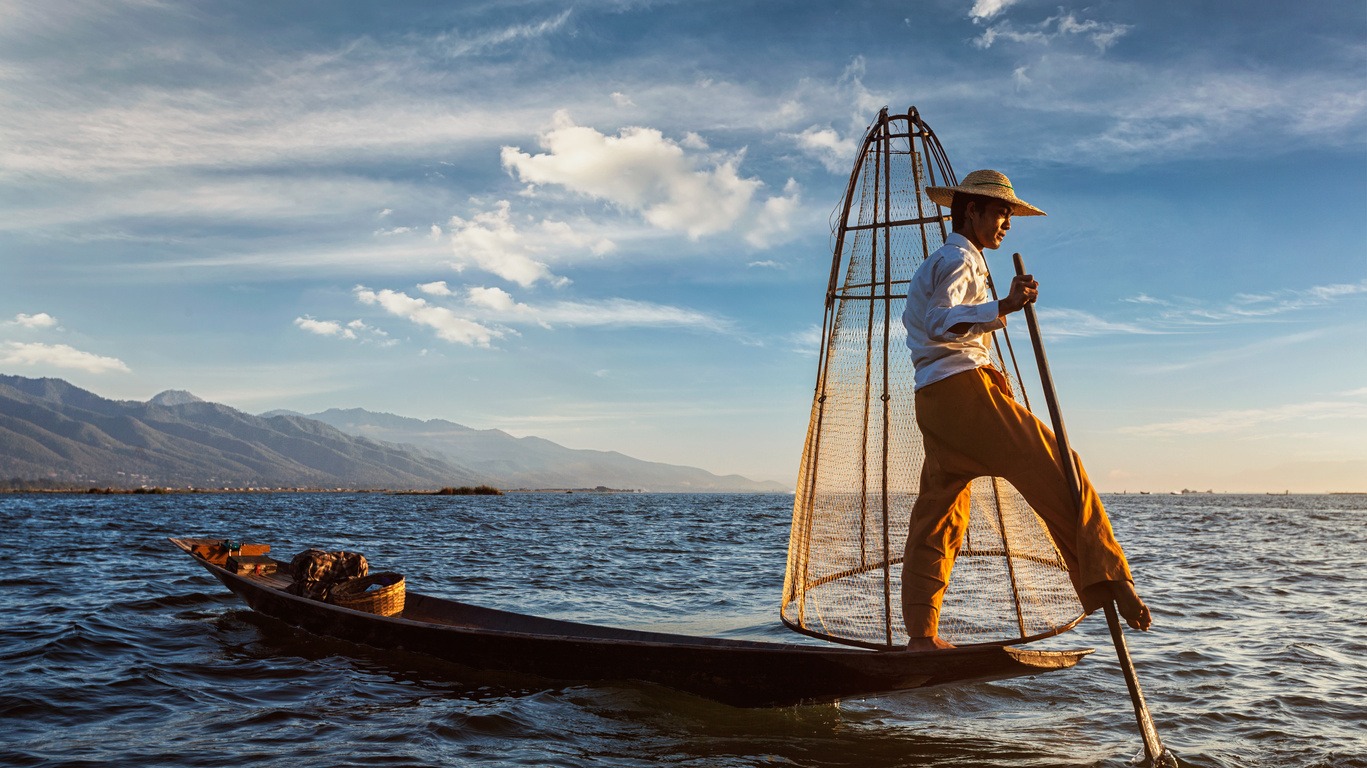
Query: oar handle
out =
(1153, 746)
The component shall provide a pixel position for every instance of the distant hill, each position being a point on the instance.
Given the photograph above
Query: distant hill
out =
(51, 430)
(533, 462)
(174, 397)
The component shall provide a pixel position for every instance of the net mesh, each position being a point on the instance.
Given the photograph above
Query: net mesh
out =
(861, 462)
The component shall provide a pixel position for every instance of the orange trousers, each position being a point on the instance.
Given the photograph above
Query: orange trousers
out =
(973, 428)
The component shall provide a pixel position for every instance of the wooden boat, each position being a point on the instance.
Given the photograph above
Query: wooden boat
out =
(741, 673)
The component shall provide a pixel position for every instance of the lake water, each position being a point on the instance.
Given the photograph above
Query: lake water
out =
(117, 650)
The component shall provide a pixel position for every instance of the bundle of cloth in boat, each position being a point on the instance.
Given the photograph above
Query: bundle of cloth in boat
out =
(316, 572)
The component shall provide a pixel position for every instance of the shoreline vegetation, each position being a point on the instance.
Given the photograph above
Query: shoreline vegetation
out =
(39, 486)
(464, 490)
(19, 485)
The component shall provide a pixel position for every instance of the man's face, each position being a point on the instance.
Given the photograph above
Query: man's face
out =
(988, 223)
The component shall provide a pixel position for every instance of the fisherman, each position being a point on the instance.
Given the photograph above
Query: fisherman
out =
(973, 427)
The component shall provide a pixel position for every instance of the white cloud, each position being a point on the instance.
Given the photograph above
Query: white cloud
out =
(240, 104)
(1328, 293)
(448, 325)
(628, 313)
(479, 314)
(862, 102)
(694, 140)
(1100, 34)
(775, 217)
(59, 356)
(1073, 322)
(1173, 316)
(356, 330)
(1253, 418)
(806, 341)
(496, 299)
(400, 255)
(324, 327)
(456, 45)
(834, 151)
(370, 334)
(220, 197)
(491, 241)
(1144, 298)
(1147, 111)
(674, 186)
(986, 9)
(1253, 307)
(499, 304)
(36, 321)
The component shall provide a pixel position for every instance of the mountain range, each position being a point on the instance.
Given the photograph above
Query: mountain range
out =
(532, 462)
(54, 432)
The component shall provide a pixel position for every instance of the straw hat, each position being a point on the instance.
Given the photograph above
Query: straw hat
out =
(988, 184)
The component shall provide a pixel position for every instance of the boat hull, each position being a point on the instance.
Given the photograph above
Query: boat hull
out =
(737, 672)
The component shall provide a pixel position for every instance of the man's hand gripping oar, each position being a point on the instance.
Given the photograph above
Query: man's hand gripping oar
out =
(1132, 607)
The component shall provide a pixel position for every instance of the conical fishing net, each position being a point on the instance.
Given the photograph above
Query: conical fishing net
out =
(861, 464)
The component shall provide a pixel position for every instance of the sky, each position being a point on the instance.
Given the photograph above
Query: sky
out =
(608, 223)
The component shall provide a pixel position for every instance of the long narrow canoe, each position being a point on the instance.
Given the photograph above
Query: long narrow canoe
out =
(741, 673)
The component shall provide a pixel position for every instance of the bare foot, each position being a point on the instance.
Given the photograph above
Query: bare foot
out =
(932, 643)
(1131, 607)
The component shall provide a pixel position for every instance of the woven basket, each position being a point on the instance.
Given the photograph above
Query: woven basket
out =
(357, 594)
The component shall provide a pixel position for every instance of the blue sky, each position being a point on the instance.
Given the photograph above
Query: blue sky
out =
(607, 223)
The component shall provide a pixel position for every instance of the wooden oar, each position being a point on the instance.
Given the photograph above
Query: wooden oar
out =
(1153, 746)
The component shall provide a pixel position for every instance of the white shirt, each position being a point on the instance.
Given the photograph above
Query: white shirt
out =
(950, 288)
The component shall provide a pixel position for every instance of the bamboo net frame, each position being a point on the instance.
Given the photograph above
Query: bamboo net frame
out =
(861, 462)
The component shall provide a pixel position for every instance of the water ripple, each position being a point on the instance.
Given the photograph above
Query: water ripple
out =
(118, 651)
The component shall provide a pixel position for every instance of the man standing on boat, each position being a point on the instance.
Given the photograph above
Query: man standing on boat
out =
(973, 427)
